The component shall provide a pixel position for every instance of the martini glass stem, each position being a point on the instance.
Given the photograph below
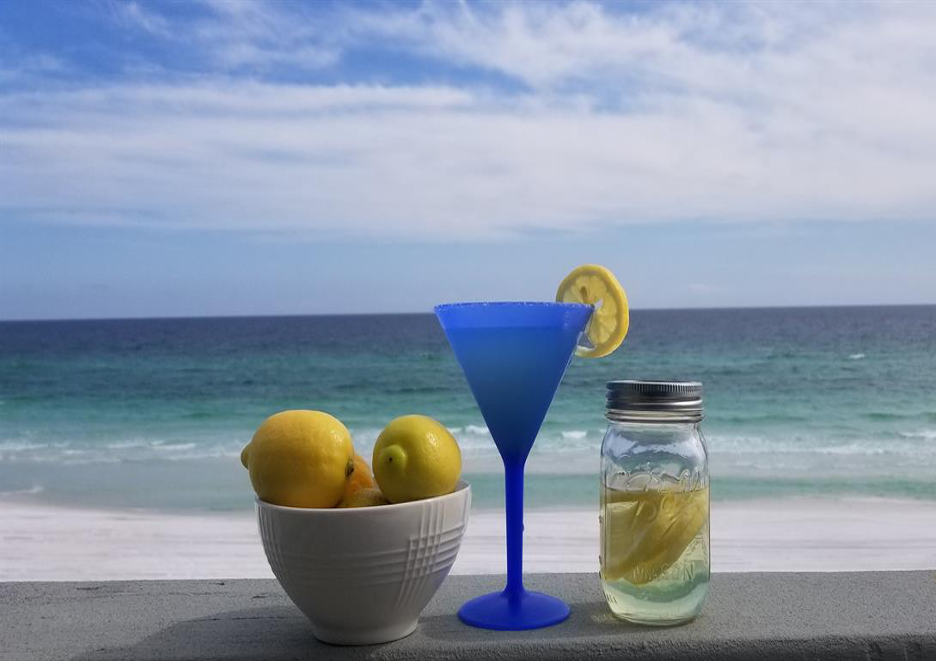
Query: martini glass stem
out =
(513, 490)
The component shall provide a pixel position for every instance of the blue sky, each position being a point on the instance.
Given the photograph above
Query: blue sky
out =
(211, 158)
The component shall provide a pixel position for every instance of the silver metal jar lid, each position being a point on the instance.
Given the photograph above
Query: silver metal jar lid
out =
(654, 401)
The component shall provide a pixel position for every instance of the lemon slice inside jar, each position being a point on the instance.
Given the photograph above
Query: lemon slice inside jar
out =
(597, 286)
(647, 532)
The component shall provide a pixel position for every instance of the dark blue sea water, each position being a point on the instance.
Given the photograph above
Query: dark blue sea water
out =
(153, 413)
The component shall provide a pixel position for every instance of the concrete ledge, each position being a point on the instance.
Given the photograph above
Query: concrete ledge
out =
(872, 615)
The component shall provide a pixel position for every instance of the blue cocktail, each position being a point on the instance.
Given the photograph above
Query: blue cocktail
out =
(513, 356)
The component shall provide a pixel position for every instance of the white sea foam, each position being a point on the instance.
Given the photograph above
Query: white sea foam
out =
(175, 447)
(34, 489)
(856, 357)
(14, 445)
(136, 449)
(804, 446)
(855, 449)
(556, 450)
(139, 443)
(929, 435)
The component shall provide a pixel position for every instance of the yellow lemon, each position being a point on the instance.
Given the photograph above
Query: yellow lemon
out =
(646, 532)
(363, 498)
(597, 286)
(300, 458)
(416, 457)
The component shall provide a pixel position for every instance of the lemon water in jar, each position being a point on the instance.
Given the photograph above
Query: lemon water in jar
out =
(654, 502)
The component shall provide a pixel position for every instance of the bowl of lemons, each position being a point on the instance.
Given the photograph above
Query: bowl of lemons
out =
(360, 552)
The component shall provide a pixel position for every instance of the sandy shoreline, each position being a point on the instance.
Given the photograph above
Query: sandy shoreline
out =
(41, 542)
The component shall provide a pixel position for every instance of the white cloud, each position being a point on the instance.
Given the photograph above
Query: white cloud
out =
(130, 14)
(239, 35)
(257, 35)
(702, 112)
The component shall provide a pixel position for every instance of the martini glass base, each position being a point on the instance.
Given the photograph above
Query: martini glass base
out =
(524, 611)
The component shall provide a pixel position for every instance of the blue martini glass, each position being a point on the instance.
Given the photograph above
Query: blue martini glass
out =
(513, 355)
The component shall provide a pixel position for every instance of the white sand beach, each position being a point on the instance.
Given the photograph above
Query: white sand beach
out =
(41, 542)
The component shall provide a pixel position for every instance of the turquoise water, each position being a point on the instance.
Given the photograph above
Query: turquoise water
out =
(153, 413)
(513, 357)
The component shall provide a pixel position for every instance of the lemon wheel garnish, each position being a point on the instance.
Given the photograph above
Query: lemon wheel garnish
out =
(597, 286)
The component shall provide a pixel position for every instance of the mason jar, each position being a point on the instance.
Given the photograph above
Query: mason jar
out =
(654, 517)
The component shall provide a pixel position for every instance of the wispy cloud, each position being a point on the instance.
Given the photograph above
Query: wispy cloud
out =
(243, 36)
(253, 34)
(737, 112)
(130, 14)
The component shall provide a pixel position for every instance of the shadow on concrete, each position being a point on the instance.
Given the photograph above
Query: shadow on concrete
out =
(283, 632)
(277, 632)
(592, 619)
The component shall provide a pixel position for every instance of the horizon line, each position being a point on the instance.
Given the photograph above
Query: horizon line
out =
(429, 312)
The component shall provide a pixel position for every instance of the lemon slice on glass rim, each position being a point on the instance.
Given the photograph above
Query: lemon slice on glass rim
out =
(597, 286)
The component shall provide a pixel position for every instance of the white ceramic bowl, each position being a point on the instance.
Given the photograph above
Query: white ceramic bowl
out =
(363, 575)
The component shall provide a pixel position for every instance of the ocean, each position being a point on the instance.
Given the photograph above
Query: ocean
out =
(153, 413)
